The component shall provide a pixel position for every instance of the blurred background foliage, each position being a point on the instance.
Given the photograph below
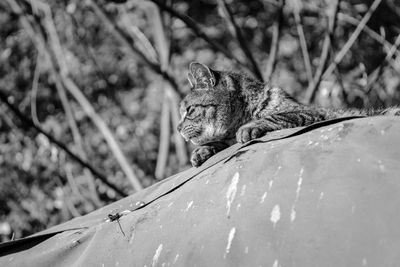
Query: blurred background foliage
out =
(89, 90)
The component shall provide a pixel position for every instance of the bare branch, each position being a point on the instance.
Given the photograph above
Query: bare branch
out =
(326, 47)
(237, 33)
(41, 45)
(59, 55)
(164, 48)
(34, 90)
(273, 52)
(128, 43)
(378, 71)
(302, 39)
(98, 121)
(163, 147)
(197, 29)
(373, 34)
(339, 56)
(142, 42)
(67, 199)
(28, 122)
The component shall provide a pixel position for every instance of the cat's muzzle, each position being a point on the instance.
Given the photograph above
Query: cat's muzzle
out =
(189, 132)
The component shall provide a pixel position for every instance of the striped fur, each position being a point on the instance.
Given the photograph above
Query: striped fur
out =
(225, 107)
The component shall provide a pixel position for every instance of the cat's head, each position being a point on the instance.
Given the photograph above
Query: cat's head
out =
(212, 110)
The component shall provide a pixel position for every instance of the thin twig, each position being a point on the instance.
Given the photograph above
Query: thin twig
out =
(302, 39)
(59, 55)
(197, 29)
(237, 33)
(34, 91)
(76, 135)
(373, 34)
(40, 43)
(58, 62)
(28, 122)
(340, 55)
(70, 179)
(326, 47)
(340, 82)
(378, 71)
(163, 45)
(273, 52)
(128, 43)
(163, 147)
(98, 121)
(161, 41)
(173, 99)
(136, 34)
(69, 205)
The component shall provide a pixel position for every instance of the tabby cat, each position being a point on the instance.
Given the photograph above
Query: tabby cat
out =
(226, 107)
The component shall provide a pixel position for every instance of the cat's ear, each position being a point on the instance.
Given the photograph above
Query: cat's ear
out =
(191, 79)
(201, 76)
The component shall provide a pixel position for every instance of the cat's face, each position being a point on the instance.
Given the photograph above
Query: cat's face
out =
(209, 111)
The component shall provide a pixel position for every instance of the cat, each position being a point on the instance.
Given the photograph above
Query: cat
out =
(224, 107)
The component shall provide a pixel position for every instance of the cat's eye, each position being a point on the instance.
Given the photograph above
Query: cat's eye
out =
(191, 112)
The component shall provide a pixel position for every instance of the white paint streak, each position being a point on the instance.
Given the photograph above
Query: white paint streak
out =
(292, 214)
(189, 205)
(324, 137)
(275, 264)
(124, 212)
(238, 206)
(157, 255)
(243, 191)
(139, 203)
(299, 182)
(176, 258)
(275, 214)
(381, 166)
(270, 184)
(364, 262)
(246, 250)
(230, 238)
(263, 197)
(132, 238)
(231, 193)
(207, 181)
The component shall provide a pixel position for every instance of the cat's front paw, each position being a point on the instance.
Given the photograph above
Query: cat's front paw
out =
(249, 132)
(201, 154)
